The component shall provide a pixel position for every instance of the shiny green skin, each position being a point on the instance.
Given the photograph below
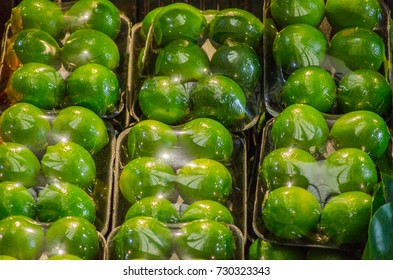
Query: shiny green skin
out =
(60, 200)
(15, 199)
(21, 237)
(238, 25)
(202, 179)
(100, 15)
(67, 257)
(143, 238)
(183, 60)
(90, 46)
(7, 258)
(205, 239)
(364, 130)
(18, 164)
(26, 124)
(74, 236)
(220, 98)
(178, 21)
(69, 162)
(263, 250)
(81, 126)
(207, 209)
(148, 20)
(37, 84)
(158, 208)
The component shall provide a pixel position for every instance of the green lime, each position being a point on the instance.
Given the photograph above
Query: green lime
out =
(311, 85)
(148, 20)
(37, 84)
(287, 167)
(178, 21)
(364, 130)
(60, 200)
(291, 212)
(15, 199)
(345, 217)
(94, 86)
(164, 99)
(101, 15)
(202, 179)
(81, 126)
(207, 209)
(72, 235)
(90, 46)
(205, 239)
(329, 254)
(350, 169)
(233, 24)
(286, 12)
(32, 45)
(65, 257)
(220, 98)
(364, 90)
(356, 48)
(298, 45)
(69, 162)
(206, 138)
(7, 258)
(18, 164)
(147, 176)
(354, 13)
(143, 238)
(300, 126)
(264, 250)
(26, 124)
(182, 60)
(40, 14)
(21, 237)
(156, 207)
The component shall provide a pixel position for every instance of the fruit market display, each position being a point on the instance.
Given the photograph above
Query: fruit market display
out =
(196, 132)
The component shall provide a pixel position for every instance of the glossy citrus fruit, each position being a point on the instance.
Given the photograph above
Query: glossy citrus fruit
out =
(66, 257)
(264, 250)
(207, 209)
(15, 199)
(148, 20)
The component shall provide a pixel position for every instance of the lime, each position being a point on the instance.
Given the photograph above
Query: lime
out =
(220, 98)
(21, 237)
(18, 164)
(147, 176)
(206, 138)
(207, 209)
(300, 126)
(81, 126)
(356, 48)
(7, 258)
(311, 85)
(329, 254)
(163, 98)
(178, 21)
(264, 250)
(286, 12)
(25, 124)
(15, 199)
(364, 90)
(94, 86)
(90, 46)
(69, 162)
(32, 45)
(60, 200)
(143, 238)
(148, 20)
(182, 60)
(364, 130)
(232, 24)
(204, 179)
(239, 62)
(287, 167)
(205, 239)
(65, 257)
(72, 235)
(298, 45)
(291, 212)
(158, 208)
(350, 169)
(345, 217)
(356, 13)
(101, 15)
(37, 84)
(41, 14)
